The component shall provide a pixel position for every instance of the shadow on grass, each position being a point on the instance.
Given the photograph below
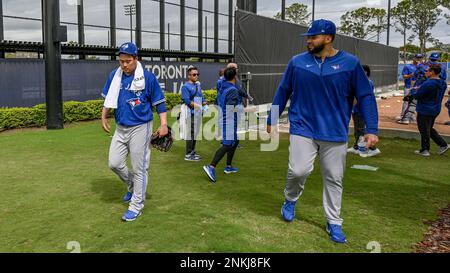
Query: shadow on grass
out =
(111, 190)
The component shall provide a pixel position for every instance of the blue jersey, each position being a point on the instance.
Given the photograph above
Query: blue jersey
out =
(443, 74)
(135, 107)
(228, 102)
(408, 70)
(357, 108)
(429, 97)
(322, 96)
(192, 92)
(219, 89)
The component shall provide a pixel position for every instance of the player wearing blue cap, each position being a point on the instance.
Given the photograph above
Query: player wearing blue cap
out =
(322, 84)
(434, 60)
(132, 91)
(408, 114)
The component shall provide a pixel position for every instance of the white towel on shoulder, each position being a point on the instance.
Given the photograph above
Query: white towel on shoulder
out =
(114, 90)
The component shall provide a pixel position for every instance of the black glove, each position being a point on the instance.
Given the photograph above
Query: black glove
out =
(409, 98)
(162, 143)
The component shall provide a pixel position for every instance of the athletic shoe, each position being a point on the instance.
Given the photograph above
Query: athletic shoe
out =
(375, 152)
(191, 158)
(352, 150)
(288, 211)
(127, 197)
(130, 216)
(336, 234)
(229, 170)
(197, 156)
(423, 153)
(443, 150)
(405, 122)
(398, 118)
(211, 172)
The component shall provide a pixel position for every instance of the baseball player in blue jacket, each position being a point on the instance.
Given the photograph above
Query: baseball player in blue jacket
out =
(132, 91)
(322, 84)
(228, 114)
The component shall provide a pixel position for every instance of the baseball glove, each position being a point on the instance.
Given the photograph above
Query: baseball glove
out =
(162, 143)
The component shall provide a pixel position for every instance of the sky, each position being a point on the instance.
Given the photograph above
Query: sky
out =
(97, 13)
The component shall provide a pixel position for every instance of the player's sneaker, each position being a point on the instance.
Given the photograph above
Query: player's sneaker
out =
(211, 172)
(230, 170)
(352, 150)
(375, 152)
(336, 234)
(127, 197)
(443, 150)
(130, 216)
(288, 211)
(191, 158)
(423, 153)
(197, 156)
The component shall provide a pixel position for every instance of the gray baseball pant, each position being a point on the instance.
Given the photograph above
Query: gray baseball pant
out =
(302, 154)
(133, 141)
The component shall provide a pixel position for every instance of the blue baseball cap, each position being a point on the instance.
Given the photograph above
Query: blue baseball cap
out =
(418, 56)
(321, 27)
(129, 49)
(435, 56)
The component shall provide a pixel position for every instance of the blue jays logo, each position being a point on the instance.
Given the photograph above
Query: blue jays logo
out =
(336, 67)
(134, 102)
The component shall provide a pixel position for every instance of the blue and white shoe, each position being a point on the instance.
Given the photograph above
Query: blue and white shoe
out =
(288, 211)
(130, 216)
(127, 197)
(192, 158)
(230, 170)
(211, 172)
(336, 234)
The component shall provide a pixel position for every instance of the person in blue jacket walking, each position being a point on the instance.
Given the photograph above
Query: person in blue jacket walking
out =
(429, 98)
(322, 84)
(228, 103)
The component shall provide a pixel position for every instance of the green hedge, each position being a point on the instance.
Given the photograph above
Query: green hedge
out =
(14, 118)
(175, 99)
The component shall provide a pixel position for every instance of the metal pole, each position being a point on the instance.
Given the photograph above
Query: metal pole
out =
(112, 23)
(162, 23)
(389, 22)
(283, 10)
(53, 81)
(139, 23)
(131, 27)
(314, 10)
(168, 36)
(80, 11)
(230, 26)
(206, 33)
(200, 25)
(182, 25)
(216, 26)
(2, 37)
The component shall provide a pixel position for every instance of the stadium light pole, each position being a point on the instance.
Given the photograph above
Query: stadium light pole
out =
(130, 10)
(53, 35)
(2, 54)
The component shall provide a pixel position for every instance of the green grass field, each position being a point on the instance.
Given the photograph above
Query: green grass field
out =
(56, 187)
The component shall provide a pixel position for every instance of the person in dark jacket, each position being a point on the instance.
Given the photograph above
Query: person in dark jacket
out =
(228, 103)
(429, 98)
